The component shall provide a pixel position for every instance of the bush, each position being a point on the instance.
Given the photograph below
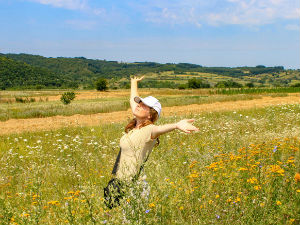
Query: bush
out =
(197, 83)
(228, 84)
(296, 85)
(24, 100)
(249, 85)
(67, 97)
(101, 84)
(182, 87)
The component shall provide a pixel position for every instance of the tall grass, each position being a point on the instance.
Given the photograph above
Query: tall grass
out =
(240, 168)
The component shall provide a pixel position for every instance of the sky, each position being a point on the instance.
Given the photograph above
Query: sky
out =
(227, 33)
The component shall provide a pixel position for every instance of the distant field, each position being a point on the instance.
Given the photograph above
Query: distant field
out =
(47, 103)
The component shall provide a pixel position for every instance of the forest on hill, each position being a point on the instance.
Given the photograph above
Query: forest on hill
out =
(34, 71)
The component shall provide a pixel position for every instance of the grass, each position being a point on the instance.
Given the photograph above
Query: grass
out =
(240, 168)
(110, 104)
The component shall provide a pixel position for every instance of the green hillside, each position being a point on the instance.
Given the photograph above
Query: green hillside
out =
(27, 71)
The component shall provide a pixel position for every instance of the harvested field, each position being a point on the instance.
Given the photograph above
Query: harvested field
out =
(52, 123)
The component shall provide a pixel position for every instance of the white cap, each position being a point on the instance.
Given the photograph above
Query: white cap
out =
(151, 102)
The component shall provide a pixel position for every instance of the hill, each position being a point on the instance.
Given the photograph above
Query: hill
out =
(25, 70)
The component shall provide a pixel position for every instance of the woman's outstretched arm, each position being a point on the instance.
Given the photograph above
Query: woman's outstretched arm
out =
(133, 91)
(183, 125)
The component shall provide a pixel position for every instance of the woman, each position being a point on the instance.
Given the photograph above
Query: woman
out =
(136, 145)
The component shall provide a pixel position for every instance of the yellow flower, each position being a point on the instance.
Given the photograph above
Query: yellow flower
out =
(297, 177)
(68, 198)
(238, 199)
(257, 187)
(276, 169)
(278, 203)
(228, 200)
(53, 203)
(217, 196)
(298, 190)
(292, 220)
(242, 169)
(252, 180)
(151, 205)
(262, 204)
(181, 207)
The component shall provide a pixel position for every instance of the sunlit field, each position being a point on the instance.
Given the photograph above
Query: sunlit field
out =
(242, 167)
(41, 104)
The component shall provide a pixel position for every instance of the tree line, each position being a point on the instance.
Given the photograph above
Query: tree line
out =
(34, 71)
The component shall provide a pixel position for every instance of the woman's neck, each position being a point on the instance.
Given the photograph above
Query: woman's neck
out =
(139, 123)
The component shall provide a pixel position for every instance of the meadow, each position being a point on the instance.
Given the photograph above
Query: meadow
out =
(39, 104)
(242, 167)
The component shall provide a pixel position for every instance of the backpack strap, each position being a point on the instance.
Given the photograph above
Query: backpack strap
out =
(117, 162)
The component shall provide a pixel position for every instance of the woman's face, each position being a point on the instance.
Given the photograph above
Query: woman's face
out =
(142, 111)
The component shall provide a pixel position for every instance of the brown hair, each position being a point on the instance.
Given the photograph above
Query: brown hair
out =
(132, 123)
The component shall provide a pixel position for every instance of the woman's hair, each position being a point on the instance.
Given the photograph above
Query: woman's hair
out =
(132, 123)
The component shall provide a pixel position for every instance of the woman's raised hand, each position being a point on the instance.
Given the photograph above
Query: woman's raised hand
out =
(136, 79)
(186, 125)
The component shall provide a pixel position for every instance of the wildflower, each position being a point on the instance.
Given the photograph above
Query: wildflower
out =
(148, 210)
(217, 216)
(297, 177)
(262, 204)
(252, 180)
(228, 200)
(68, 198)
(275, 149)
(292, 220)
(257, 187)
(151, 205)
(278, 203)
(181, 208)
(276, 169)
(242, 169)
(298, 190)
(238, 199)
(217, 196)
(25, 214)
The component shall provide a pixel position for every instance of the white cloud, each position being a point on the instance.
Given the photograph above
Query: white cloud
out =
(67, 4)
(218, 12)
(81, 24)
(295, 27)
(81, 5)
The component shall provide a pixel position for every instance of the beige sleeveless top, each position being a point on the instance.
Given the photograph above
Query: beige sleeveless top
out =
(135, 145)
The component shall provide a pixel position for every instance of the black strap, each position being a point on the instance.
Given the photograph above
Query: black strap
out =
(117, 162)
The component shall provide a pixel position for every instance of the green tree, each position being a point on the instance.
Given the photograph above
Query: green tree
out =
(250, 85)
(197, 83)
(101, 84)
(67, 97)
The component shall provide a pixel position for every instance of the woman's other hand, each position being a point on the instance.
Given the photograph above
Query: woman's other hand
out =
(186, 125)
(136, 79)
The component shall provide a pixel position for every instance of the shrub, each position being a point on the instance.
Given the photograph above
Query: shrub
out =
(296, 85)
(197, 83)
(101, 84)
(181, 86)
(67, 97)
(249, 85)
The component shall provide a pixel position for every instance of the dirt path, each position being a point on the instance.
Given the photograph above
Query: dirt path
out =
(52, 123)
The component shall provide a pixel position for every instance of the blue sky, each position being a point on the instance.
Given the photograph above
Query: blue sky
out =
(209, 33)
